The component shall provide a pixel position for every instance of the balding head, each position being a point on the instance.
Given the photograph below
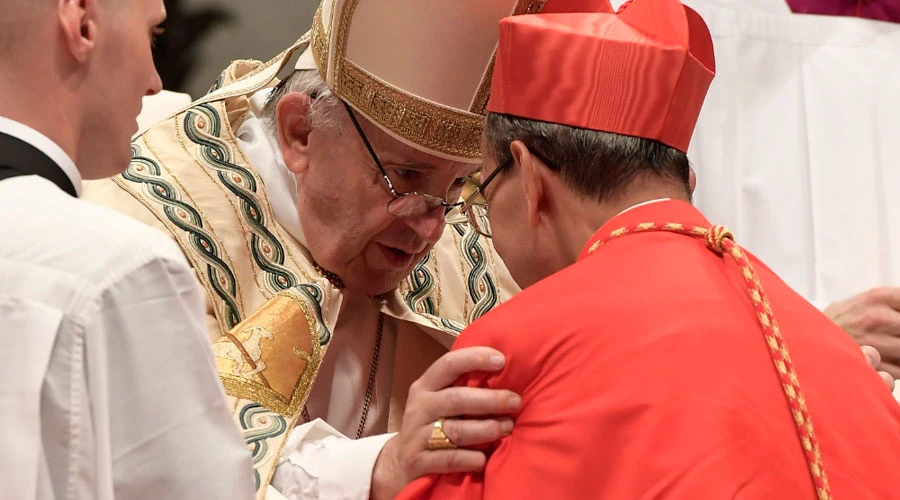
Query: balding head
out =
(19, 18)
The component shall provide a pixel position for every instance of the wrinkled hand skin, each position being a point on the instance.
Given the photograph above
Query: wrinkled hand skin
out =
(872, 318)
(406, 456)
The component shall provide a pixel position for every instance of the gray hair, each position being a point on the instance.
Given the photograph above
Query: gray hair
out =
(324, 110)
(596, 165)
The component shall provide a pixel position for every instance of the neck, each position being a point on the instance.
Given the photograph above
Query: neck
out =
(48, 113)
(575, 232)
(35, 92)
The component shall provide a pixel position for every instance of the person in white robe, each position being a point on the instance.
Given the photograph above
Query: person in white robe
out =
(108, 387)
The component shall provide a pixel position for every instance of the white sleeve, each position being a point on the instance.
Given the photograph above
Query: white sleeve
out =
(319, 462)
(153, 384)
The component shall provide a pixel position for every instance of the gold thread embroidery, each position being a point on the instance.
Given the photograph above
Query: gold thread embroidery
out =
(319, 43)
(437, 282)
(343, 35)
(244, 388)
(440, 128)
(479, 104)
(429, 125)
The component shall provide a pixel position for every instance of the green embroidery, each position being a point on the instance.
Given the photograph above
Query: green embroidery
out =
(421, 284)
(480, 283)
(266, 250)
(145, 171)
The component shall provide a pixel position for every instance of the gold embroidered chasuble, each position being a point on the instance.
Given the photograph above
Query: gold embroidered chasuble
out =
(271, 315)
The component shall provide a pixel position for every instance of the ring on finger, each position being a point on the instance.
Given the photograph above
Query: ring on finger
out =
(438, 439)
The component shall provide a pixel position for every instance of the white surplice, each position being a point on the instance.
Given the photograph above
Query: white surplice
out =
(107, 383)
(794, 149)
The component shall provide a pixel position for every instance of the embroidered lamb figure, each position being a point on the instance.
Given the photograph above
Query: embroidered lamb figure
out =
(227, 350)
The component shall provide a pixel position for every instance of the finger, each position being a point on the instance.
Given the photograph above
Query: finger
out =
(888, 347)
(890, 368)
(453, 365)
(464, 433)
(887, 377)
(889, 296)
(469, 401)
(872, 355)
(447, 461)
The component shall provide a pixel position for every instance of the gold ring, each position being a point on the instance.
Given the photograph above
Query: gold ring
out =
(438, 439)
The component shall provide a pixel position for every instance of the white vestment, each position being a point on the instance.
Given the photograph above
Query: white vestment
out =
(794, 149)
(108, 387)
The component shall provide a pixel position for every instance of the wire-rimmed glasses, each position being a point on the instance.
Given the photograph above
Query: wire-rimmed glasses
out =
(409, 204)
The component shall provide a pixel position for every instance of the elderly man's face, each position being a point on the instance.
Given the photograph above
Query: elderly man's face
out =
(342, 202)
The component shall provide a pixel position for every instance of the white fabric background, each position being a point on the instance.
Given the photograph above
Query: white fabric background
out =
(794, 150)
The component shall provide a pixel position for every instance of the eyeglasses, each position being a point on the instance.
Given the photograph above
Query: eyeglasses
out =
(475, 206)
(411, 204)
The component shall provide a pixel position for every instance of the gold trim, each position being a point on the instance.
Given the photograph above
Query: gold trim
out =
(439, 128)
(243, 388)
(533, 6)
(343, 36)
(319, 43)
(479, 104)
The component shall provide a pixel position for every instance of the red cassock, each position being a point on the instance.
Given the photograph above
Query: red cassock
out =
(644, 373)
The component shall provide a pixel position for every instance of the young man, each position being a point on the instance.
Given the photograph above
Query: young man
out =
(107, 384)
(616, 343)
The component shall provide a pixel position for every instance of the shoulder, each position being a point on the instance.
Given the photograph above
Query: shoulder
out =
(74, 236)
(536, 316)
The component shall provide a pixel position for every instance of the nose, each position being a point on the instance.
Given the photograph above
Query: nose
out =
(429, 227)
(155, 83)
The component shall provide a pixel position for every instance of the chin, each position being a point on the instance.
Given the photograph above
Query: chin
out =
(372, 285)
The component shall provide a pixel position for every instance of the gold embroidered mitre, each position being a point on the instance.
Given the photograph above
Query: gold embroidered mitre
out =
(420, 70)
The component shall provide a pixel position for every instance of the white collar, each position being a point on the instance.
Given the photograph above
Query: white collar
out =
(263, 152)
(641, 204)
(45, 145)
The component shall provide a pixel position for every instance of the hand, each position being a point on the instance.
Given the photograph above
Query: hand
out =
(405, 457)
(872, 319)
(874, 360)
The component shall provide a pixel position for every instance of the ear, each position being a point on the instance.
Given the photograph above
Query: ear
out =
(532, 179)
(692, 180)
(78, 23)
(293, 130)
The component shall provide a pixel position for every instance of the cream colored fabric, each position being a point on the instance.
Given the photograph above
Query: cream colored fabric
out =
(159, 107)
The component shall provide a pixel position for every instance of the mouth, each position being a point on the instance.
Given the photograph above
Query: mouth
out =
(395, 257)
